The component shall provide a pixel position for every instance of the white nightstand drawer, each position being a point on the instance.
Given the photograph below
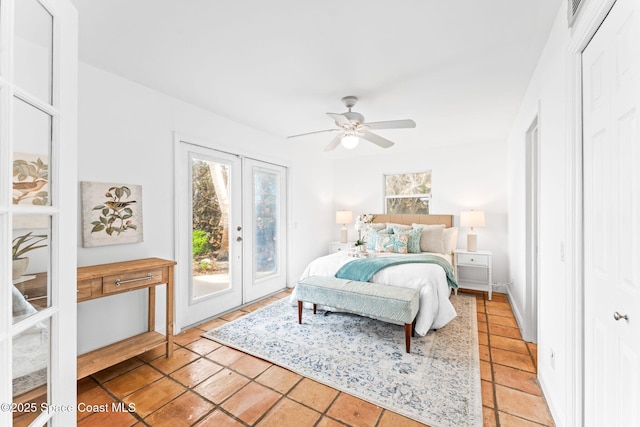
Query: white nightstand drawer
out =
(475, 259)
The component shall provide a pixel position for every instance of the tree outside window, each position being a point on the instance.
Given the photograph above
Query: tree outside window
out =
(407, 193)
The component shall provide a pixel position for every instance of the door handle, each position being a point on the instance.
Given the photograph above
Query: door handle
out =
(619, 316)
(238, 239)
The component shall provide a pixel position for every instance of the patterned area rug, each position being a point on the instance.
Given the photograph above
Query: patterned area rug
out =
(437, 384)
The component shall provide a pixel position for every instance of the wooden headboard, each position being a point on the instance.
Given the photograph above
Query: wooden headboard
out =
(409, 219)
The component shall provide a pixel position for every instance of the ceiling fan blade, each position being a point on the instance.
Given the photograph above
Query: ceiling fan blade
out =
(340, 119)
(311, 133)
(372, 137)
(392, 124)
(334, 143)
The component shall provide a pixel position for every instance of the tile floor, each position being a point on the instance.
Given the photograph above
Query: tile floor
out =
(206, 384)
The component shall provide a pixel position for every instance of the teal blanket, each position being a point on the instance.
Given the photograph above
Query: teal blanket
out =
(363, 269)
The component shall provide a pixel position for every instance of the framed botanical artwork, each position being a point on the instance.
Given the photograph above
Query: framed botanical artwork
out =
(111, 214)
(30, 179)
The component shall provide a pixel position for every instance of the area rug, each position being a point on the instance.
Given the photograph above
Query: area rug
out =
(437, 384)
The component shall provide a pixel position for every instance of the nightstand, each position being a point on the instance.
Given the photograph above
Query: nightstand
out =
(338, 246)
(473, 270)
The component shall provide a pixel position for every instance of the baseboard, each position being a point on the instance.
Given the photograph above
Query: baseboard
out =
(555, 414)
(516, 313)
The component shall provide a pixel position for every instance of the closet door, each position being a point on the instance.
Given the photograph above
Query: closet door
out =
(38, 200)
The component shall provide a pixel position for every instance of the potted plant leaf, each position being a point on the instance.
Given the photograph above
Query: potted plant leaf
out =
(22, 245)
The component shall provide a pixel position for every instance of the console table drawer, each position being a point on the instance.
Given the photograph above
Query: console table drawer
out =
(468, 259)
(89, 288)
(134, 280)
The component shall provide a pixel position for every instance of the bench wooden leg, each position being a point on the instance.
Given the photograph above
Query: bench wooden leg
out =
(299, 312)
(314, 308)
(408, 327)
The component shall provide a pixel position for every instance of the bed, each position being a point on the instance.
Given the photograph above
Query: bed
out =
(436, 234)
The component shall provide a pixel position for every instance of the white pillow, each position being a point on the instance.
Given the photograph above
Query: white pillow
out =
(401, 227)
(449, 240)
(431, 239)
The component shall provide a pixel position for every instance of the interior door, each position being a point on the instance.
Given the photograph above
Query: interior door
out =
(265, 234)
(611, 99)
(209, 233)
(38, 203)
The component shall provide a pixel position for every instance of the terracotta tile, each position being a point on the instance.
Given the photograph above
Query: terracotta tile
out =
(482, 326)
(353, 411)
(328, 422)
(233, 315)
(279, 379)
(203, 346)
(287, 413)
(487, 394)
(116, 370)
(196, 372)
(159, 351)
(512, 359)
(512, 421)
(504, 331)
(180, 358)
(219, 419)
(488, 417)
(154, 396)
(485, 370)
(484, 353)
(501, 312)
(516, 378)
(221, 385)
(182, 411)
(108, 419)
(523, 405)
(481, 317)
(500, 303)
(188, 336)
(501, 320)
(250, 366)
(480, 307)
(391, 419)
(211, 324)
(133, 380)
(313, 394)
(510, 344)
(89, 396)
(483, 338)
(225, 356)
(250, 403)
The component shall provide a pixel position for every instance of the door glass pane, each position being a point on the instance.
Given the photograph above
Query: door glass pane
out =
(30, 372)
(32, 142)
(210, 235)
(33, 49)
(265, 213)
(31, 264)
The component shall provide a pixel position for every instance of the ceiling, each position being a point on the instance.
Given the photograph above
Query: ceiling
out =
(458, 68)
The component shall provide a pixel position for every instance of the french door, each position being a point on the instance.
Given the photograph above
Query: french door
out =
(38, 201)
(231, 231)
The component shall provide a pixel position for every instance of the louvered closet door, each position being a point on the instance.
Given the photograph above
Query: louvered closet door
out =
(611, 100)
(38, 201)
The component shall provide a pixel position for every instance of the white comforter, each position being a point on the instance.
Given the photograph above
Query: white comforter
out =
(435, 308)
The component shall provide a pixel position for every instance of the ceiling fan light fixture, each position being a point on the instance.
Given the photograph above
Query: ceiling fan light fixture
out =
(350, 141)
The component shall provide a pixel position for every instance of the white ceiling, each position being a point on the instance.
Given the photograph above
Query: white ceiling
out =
(458, 68)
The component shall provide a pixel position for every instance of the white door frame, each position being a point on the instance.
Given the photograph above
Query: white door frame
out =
(532, 170)
(592, 15)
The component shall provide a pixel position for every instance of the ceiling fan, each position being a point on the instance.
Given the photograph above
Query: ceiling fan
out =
(352, 128)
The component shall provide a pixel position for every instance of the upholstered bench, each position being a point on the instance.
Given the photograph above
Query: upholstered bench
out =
(392, 304)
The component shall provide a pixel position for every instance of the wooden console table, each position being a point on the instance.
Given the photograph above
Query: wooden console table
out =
(99, 281)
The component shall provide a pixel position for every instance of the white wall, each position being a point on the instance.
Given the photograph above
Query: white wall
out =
(465, 176)
(126, 135)
(547, 93)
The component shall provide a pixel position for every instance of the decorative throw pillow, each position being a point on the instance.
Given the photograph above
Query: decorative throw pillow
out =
(401, 227)
(396, 243)
(431, 238)
(413, 244)
(372, 236)
(383, 242)
(449, 240)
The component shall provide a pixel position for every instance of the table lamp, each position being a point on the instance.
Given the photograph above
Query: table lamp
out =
(344, 218)
(472, 219)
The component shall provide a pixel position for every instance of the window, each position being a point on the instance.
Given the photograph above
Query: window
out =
(407, 193)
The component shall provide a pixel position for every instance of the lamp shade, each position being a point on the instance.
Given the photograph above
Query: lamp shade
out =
(472, 219)
(344, 217)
